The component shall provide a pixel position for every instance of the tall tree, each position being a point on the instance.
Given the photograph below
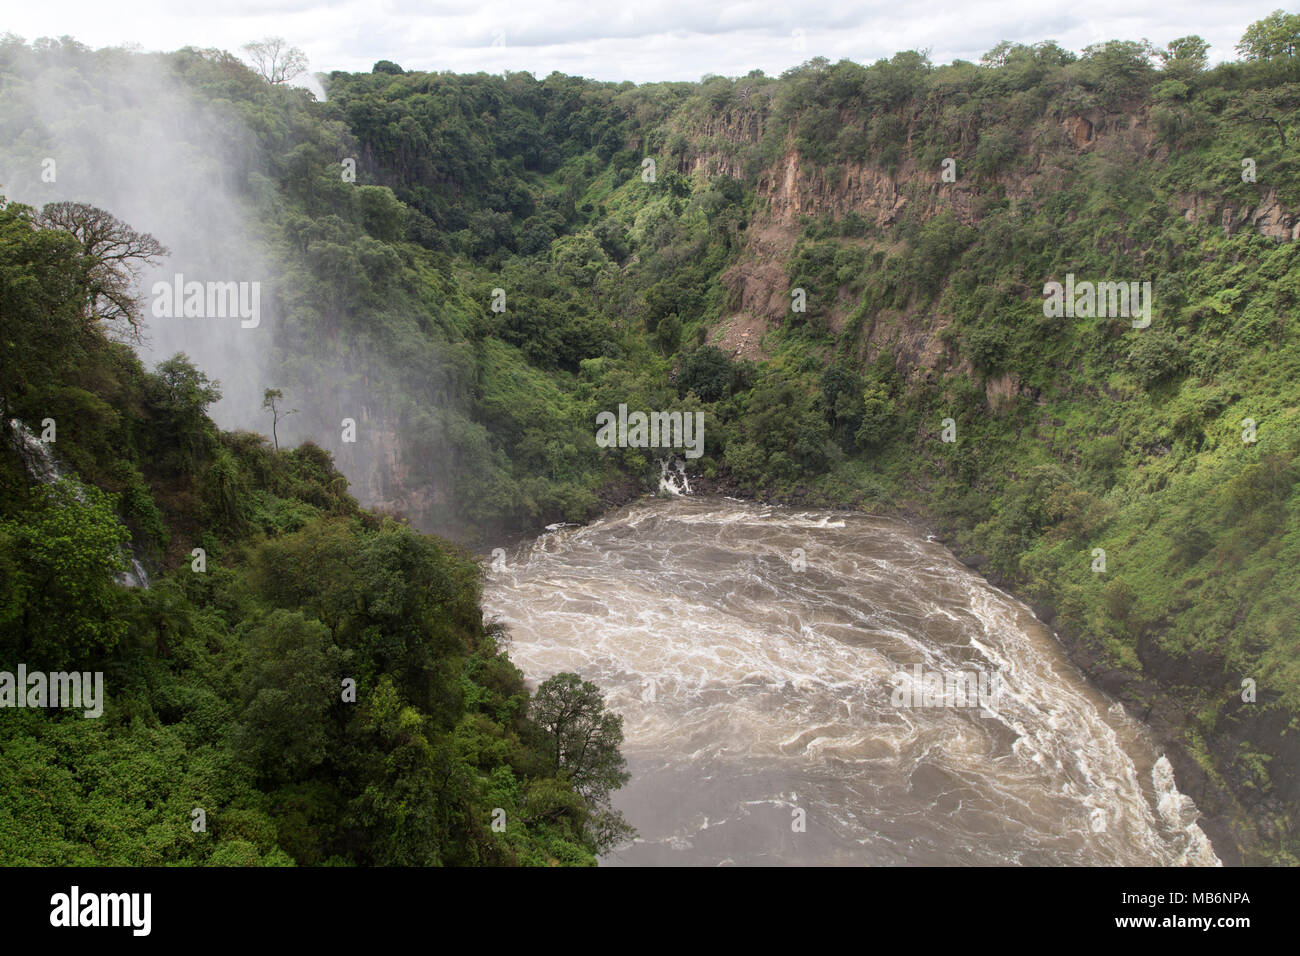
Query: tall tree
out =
(276, 60)
(1275, 37)
(40, 321)
(1186, 54)
(584, 740)
(584, 737)
(113, 254)
(270, 401)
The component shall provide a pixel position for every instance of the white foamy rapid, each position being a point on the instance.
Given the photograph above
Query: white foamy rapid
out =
(673, 481)
(755, 654)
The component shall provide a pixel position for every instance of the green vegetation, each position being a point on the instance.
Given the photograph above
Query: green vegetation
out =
(1124, 163)
(315, 679)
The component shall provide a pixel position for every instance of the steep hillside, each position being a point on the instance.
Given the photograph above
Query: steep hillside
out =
(301, 682)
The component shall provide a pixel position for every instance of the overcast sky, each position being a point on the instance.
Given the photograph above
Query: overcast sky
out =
(636, 40)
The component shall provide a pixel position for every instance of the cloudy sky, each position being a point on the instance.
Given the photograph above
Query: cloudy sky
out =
(633, 39)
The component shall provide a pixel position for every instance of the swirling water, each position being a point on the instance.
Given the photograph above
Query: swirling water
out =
(757, 655)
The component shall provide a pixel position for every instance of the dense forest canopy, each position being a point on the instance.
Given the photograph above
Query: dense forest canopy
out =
(484, 263)
(311, 683)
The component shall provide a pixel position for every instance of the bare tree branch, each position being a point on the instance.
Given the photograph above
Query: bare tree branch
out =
(276, 60)
(113, 252)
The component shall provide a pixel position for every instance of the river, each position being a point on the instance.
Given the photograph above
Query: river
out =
(769, 664)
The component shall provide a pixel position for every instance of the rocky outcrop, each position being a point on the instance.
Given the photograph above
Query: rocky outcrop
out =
(1268, 217)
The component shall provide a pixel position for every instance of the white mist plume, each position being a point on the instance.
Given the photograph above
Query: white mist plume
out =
(124, 134)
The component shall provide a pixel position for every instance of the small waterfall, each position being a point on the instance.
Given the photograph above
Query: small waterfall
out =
(135, 576)
(44, 467)
(36, 455)
(672, 478)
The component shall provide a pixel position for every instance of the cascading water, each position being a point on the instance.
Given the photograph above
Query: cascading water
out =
(757, 655)
(135, 576)
(40, 462)
(44, 467)
(673, 481)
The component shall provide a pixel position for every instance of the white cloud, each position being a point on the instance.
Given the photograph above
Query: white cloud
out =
(640, 41)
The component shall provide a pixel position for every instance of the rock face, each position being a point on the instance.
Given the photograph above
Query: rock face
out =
(1268, 218)
(792, 189)
(388, 484)
(717, 134)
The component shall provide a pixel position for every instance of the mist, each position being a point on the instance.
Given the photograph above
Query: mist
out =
(120, 130)
(116, 130)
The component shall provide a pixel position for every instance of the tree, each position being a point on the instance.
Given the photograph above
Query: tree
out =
(612, 236)
(581, 259)
(58, 561)
(179, 396)
(1117, 68)
(113, 252)
(707, 372)
(270, 399)
(584, 742)
(40, 320)
(382, 214)
(1275, 106)
(998, 56)
(289, 682)
(584, 738)
(1156, 356)
(879, 419)
(1186, 54)
(668, 336)
(1275, 37)
(785, 423)
(410, 782)
(275, 60)
(841, 401)
(989, 347)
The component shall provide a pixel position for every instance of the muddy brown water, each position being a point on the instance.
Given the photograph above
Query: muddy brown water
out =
(766, 663)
